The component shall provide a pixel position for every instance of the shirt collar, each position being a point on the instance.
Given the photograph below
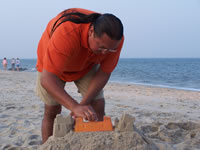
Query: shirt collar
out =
(84, 35)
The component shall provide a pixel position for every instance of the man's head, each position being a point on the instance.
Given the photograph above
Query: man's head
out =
(105, 34)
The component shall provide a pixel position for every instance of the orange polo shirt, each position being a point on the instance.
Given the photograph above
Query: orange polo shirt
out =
(67, 54)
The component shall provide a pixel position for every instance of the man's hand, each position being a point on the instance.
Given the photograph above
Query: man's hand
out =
(85, 111)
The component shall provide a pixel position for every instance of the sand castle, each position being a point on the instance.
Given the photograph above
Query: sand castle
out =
(124, 136)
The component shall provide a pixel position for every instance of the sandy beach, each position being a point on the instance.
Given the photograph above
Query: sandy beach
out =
(170, 118)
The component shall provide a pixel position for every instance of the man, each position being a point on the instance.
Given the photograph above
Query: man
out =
(81, 46)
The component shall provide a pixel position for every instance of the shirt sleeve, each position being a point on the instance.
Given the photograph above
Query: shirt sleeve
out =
(110, 62)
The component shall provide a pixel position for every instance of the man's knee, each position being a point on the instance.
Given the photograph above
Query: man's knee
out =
(50, 112)
(98, 105)
(99, 108)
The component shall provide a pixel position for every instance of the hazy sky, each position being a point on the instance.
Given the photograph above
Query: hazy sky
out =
(153, 28)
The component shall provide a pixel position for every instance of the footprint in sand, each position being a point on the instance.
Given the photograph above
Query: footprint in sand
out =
(34, 136)
(173, 132)
(35, 142)
(10, 147)
(183, 125)
(149, 128)
(11, 107)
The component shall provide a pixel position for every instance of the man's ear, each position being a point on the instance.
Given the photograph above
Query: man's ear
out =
(91, 31)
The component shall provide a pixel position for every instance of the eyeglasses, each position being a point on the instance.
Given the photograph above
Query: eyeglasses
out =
(107, 50)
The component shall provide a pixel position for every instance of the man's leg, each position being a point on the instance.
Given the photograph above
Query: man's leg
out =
(99, 107)
(51, 109)
(50, 113)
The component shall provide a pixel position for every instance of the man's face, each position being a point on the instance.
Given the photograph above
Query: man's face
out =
(103, 44)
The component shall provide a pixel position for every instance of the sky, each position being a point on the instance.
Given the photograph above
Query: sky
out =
(152, 28)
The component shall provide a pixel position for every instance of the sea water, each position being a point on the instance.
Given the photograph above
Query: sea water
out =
(179, 73)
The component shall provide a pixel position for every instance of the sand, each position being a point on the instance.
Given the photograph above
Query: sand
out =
(169, 118)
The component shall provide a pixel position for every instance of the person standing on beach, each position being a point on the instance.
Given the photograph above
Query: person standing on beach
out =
(4, 63)
(13, 64)
(17, 64)
(82, 46)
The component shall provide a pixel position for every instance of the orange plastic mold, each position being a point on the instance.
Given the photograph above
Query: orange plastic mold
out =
(91, 126)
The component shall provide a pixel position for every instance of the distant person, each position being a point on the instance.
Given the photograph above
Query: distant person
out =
(82, 46)
(13, 64)
(17, 64)
(4, 63)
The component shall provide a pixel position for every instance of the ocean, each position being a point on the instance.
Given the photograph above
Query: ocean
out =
(178, 73)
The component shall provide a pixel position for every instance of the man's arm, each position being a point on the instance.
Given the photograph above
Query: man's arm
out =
(55, 87)
(97, 84)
